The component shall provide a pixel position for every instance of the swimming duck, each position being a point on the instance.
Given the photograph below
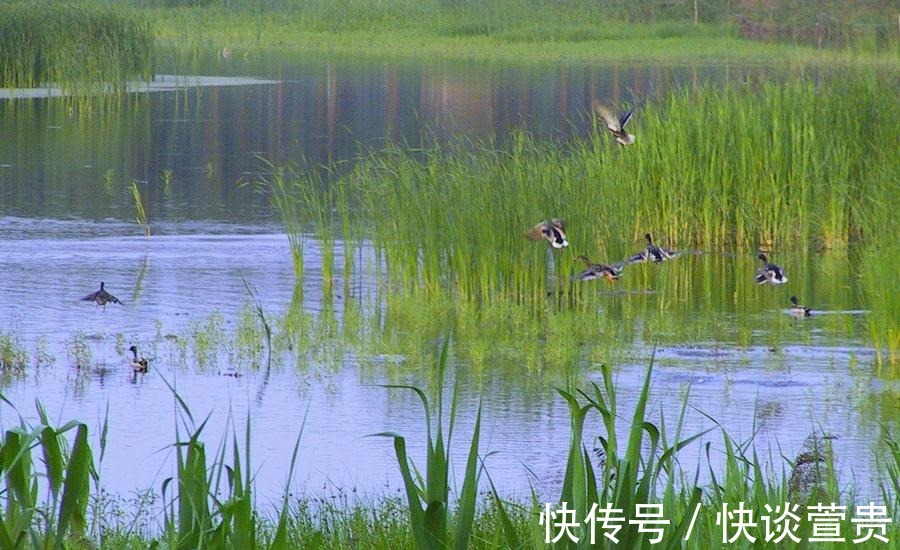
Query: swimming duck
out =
(596, 271)
(615, 125)
(769, 273)
(554, 231)
(101, 297)
(797, 310)
(652, 252)
(138, 365)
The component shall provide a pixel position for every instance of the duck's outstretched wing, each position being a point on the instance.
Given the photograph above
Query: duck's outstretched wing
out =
(92, 297)
(639, 257)
(606, 114)
(536, 233)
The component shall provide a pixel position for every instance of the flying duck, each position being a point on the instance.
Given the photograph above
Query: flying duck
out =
(769, 273)
(615, 125)
(652, 252)
(554, 231)
(101, 297)
(596, 271)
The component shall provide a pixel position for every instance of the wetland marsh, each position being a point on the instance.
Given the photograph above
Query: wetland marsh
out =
(368, 213)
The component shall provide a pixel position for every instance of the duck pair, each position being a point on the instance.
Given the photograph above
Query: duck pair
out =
(554, 232)
(774, 275)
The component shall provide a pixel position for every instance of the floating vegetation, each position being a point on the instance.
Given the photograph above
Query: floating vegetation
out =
(73, 45)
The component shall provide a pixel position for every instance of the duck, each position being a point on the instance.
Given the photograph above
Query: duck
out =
(596, 271)
(615, 125)
(652, 252)
(138, 365)
(798, 310)
(101, 297)
(554, 231)
(769, 273)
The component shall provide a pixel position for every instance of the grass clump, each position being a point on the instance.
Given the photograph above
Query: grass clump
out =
(49, 514)
(13, 357)
(69, 44)
(429, 498)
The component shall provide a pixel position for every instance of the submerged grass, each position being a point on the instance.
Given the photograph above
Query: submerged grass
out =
(72, 44)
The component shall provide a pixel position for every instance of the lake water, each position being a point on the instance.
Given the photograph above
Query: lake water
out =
(67, 223)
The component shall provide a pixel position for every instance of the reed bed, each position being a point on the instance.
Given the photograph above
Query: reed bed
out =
(72, 44)
(798, 168)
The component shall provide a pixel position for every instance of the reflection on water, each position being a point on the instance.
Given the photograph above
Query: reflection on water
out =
(189, 149)
(735, 355)
(66, 224)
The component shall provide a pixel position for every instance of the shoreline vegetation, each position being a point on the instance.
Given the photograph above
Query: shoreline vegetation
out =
(75, 45)
(54, 497)
(40, 44)
(464, 36)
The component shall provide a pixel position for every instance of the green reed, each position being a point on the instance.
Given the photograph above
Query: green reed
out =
(799, 167)
(72, 44)
(140, 215)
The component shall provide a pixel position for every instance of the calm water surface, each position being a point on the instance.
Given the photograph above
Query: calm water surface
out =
(66, 223)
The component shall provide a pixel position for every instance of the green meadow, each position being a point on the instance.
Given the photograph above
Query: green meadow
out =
(507, 31)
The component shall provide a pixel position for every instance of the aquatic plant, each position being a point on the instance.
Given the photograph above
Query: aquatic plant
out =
(13, 357)
(79, 351)
(38, 516)
(428, 499)
(140, 214)
(75, 45)
(716, 170)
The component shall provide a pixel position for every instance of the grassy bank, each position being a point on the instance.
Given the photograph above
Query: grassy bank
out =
(617, 457)
(510, 31)
(71, 44)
